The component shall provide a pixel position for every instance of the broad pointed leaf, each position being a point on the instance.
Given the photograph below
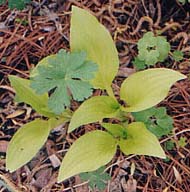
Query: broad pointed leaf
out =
(89, 35)
(88, 153)
(115, 129)
(24, 93)
(26, 142)
(147, 88)
(140, 141)
(92, 110)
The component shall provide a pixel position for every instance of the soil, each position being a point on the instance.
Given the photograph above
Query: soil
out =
(42, 29)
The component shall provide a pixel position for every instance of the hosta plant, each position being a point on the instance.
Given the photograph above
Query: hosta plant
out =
(63, 77)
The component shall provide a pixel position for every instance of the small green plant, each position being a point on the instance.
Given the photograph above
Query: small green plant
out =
(182, 142)
(178, 55)
(74, 74)
(18, 4)
(97, 179)
(151, 49)
(64, 73)
(156, 120)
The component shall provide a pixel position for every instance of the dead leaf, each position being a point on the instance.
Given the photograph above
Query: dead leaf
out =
(3, 146)
(54, 161)
(42, 178)
(16, 114)
(82, 188)
(177, 175)
(130, 185)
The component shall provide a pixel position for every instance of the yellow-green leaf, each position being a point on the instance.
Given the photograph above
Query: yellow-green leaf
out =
(26, 94)
(92, 110)
(26, 142)
(88, 35)
(88, 153)
(140, 141)
(43, 62)
(147, 88)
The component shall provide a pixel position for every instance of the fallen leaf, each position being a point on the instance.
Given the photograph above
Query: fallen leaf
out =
(3, 146)
(15, 114)
(130, 185)
(177, 175)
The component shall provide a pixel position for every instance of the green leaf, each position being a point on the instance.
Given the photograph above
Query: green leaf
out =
(24, 93)
(178, 55)
(116, 130)
(26, 142)
(2, 1)
(18, 4)
(89, 35)
(64, 71)
(156, 120)
(88, 153)
(94, 109)
(97, 179)
(139, 64)
(147, 88)
(169, 145)
(152, 49)
(182, 142)
(140, 141)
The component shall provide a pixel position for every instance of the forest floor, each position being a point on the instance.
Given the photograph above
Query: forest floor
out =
(42, 29)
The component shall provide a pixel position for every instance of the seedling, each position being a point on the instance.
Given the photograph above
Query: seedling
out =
(178, 55)
(156, 120)
(19, 4)
(95, 149)
(151, 49)
(96, 179)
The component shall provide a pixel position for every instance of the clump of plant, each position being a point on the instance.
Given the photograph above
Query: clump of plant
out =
(151, 49)
(57, 79)
(18, 4)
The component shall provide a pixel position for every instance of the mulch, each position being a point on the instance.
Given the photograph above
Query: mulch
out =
(42, 29)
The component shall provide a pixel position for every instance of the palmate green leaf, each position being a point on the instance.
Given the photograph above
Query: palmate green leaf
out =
(93, 110)
(18, 4)
(152, 49)
(2, 1)
(156, 120)
(88, 153)
(140, 141)
(89, 35)
(26, 142)
(147, 88)
(97, 179)
(178, 55)
(24, 93)
(64, 71)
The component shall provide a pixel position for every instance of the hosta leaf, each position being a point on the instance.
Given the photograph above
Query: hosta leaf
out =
(115, 129)
(92, 110)
(64, 72)
(24, 93)
(26, 142)
(89, 35)
(88, 153)
(140, 141)
(147, 88)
